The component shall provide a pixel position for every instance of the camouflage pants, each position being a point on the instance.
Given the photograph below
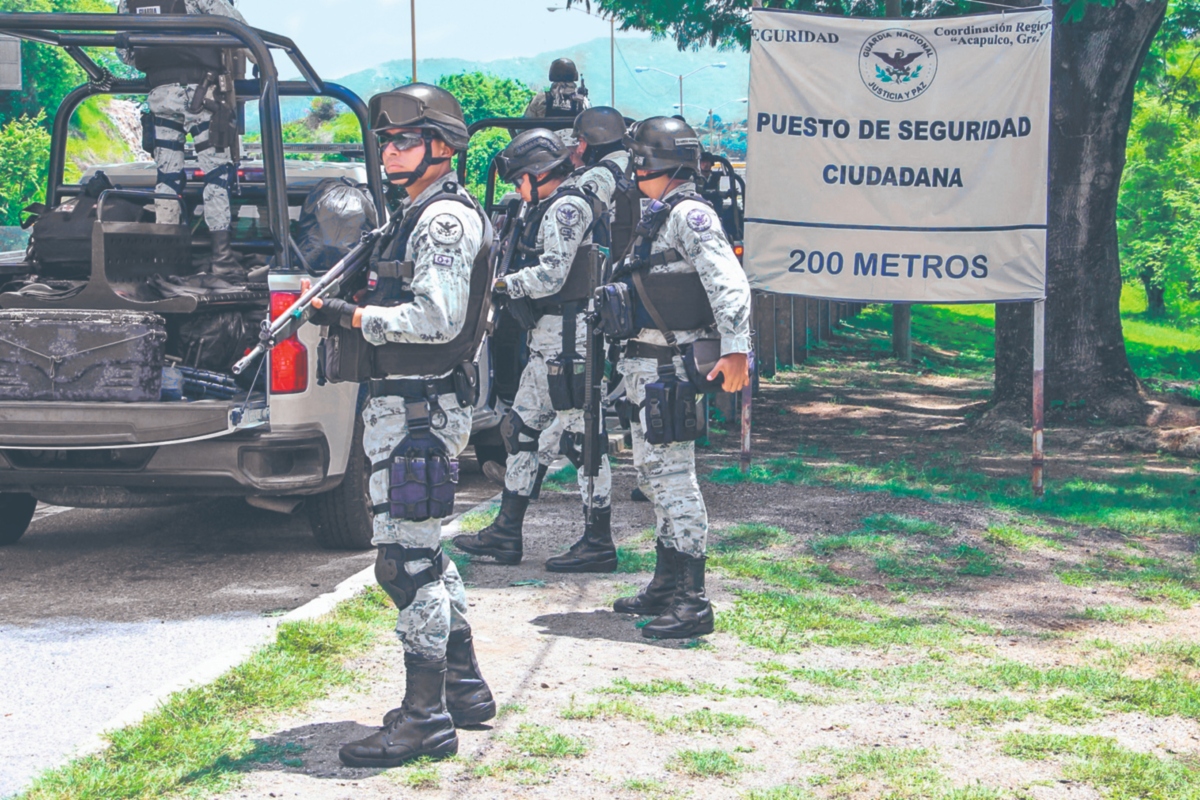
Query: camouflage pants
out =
(173, 122)
(441, 606)
(532, 403)
(670, 470)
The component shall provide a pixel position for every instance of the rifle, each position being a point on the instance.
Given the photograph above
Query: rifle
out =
(593, 374)
(329, 285)
(520, 309)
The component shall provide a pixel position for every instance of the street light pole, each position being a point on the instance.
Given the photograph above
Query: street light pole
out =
(412, 6)
(718, 65)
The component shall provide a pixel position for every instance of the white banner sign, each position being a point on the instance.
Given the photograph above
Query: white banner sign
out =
(899, 160)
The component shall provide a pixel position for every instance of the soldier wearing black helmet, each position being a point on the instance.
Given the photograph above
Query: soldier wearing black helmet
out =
(565, 97)
(550, 282)
(414, 313)
(690, 306)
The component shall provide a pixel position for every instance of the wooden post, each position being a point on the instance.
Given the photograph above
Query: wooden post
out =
(763, 306)
(902, 331)
(826, 321)
(800, 329)
(1039, 398)
(813, 312)
(784, 350)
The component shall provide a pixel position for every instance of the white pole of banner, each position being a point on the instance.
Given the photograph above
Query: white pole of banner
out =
(1039, 397)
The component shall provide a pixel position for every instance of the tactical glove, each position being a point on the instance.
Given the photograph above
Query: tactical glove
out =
(334, 312)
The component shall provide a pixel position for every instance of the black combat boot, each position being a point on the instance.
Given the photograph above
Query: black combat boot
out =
(224, 263)
(690, 613)
(422, 728)
(468, 697)
(656, 597)
(595, 552)
(502, 539)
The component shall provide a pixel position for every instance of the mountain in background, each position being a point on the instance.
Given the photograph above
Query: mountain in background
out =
(639, 95)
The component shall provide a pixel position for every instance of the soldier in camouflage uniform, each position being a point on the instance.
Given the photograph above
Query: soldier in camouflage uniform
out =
(174, 74)
(564, 98)
(441, 231)
(538, 164)
(666, 155)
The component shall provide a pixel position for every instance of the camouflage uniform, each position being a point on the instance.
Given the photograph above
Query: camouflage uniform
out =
(695, 231)
(559, 238)
(564, 94)
(169, 104)
(443, 247)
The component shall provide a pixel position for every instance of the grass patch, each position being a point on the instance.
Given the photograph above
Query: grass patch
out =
(703, 720)
(1122, 615)
(779, 793)
(475, 521)
(749, 536)
(199, 740)
(420, 774)
(906, 526)
(776, 470)
(509, 709)
(1018, 539)
(798, 574)
(1121, 774)
(539, 741)
(1148, 578)
(607, 710)
(907, 773)
(705, 763)
(1066, 709)
(630, 560)
(562, 480)
(648, 787)
(658, 686)
(785, 622)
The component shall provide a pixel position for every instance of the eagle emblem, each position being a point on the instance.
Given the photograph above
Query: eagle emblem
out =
(446, 229)
(898, 64)
(567, 215)
(699, 220)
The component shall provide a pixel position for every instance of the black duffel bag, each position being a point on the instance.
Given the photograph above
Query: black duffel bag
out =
(61, 241)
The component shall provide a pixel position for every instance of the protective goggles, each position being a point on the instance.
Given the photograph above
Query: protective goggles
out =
(401, 140)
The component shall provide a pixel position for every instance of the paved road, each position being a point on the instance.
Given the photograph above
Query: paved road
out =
(99, 609)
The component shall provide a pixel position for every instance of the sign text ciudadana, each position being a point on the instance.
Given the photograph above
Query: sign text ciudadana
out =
(899, 160)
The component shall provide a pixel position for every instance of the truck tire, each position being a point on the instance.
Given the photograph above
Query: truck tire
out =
(16, 512)
(341, 517)
(491, 452)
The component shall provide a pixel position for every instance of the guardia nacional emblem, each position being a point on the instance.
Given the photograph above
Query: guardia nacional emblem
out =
(897, 65)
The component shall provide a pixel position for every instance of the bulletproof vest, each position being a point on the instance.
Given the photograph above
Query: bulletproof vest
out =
(164, 65)
(388, 286)
(562, 105)
(575, 288)
(680, 297)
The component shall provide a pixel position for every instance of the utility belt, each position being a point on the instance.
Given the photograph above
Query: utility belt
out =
(463, 383)
(422, 476)
(566, 373)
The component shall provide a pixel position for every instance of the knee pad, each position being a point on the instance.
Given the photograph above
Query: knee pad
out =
(571, 446)
(174, 180)
(221, 177)
(512, 428)
(394, 579)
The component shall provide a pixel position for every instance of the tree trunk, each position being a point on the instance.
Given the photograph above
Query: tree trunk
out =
(1156, 296)
(1096, 64)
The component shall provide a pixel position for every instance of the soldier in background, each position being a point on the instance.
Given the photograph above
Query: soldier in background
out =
(564, 98)
(176, 74)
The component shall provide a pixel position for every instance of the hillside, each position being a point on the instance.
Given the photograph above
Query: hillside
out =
(638, 94)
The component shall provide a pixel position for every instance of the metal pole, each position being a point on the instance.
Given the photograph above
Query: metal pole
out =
(681, 113)
(612, 60)
(1039, 397)
(747, 409)
(412, 5)
(901, 313)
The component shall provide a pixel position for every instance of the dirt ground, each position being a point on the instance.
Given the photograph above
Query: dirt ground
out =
(869, 686)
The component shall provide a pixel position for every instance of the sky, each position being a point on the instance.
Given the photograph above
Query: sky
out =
(344, 36)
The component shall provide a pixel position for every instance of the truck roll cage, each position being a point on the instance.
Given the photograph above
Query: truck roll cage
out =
(73, 32)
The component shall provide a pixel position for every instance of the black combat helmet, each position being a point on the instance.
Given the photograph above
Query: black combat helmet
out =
(562, 70)
(599, 126)
(420, 105)
(664, 146)
(532, 152)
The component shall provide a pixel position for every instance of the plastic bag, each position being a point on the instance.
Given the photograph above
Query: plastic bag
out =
(333, 219)
(214, 341)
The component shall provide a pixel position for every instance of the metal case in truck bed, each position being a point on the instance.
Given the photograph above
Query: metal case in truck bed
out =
(81, 355)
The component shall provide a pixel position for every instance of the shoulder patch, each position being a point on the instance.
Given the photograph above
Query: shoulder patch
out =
(446, 229)
(443, 260)
(567, 215)
(699, 220)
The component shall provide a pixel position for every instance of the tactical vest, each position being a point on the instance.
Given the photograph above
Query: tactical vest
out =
(389, 285)
(563, 105)
(680, 297)
(575, 288)
(163, 65)
(626, 208)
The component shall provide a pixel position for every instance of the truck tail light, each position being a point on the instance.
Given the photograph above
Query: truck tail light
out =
(739, 250)
(289, 358)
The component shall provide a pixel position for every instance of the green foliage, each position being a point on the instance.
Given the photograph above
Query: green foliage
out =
(1098, 760)
(24, 151)
(49, 73)
(483, 96)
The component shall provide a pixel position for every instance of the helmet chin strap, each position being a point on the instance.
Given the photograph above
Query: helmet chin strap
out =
(638, 179)
(406, 179)
(534, 184)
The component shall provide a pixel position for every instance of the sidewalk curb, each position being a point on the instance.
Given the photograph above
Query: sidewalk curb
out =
(209, 671)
